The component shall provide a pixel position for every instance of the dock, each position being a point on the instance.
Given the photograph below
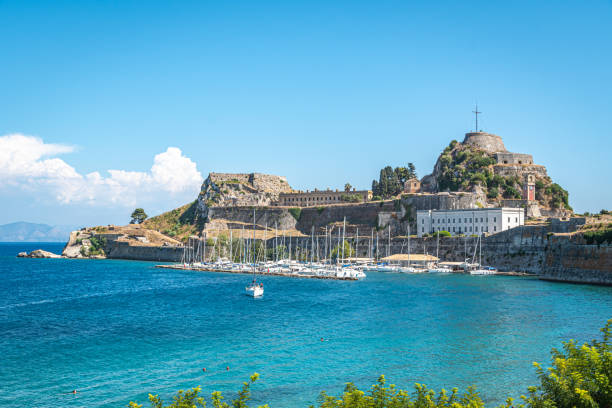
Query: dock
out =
(286, 275)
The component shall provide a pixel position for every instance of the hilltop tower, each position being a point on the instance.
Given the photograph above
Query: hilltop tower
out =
(485, 141)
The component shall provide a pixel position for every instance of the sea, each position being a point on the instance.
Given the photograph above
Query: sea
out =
(116, 331)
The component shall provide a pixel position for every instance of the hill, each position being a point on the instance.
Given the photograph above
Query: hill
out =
(30, 232)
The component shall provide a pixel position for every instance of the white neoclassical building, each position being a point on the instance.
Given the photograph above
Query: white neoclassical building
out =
(474, 221)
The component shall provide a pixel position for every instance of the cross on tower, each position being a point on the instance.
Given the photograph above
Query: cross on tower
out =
(476, 113)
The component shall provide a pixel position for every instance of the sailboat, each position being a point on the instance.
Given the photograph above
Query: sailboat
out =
(480, 270)
(254, 289)
(438, 268)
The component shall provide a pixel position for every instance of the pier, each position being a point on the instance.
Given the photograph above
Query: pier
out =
(246, 272)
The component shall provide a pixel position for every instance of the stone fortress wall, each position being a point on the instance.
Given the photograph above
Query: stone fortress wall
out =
(513, 158)
(485, 141)
(258, 181)
(320, 197)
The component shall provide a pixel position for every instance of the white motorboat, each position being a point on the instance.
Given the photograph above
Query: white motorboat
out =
(484, 271)
(440, 269)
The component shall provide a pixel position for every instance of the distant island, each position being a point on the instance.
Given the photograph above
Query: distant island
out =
(31, 232)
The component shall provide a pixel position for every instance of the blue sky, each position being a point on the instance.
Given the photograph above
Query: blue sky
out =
(321, 92)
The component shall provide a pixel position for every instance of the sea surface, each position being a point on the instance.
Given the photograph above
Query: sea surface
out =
(118, 330)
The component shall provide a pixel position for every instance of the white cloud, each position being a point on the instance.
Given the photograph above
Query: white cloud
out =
(27, 163)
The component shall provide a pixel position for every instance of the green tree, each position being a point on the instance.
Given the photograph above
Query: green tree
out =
(348, 187)
(138, 216)
(412, 171)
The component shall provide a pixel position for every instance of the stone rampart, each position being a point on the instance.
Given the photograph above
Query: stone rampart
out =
(509, 170)
(485, 141)
(123, 250)
(513, 158)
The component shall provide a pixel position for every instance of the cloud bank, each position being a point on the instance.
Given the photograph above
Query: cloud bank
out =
(29, 164)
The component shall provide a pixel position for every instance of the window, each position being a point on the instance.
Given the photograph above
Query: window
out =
(516, 220)
(422, 220)
(481, 220)
(470, 229)
(494, 219)
(423, 229)
(453, 220)
(460, 230)
(466, 221)
(476, 229)
(494, 228)
(508, 219)
(487, 219)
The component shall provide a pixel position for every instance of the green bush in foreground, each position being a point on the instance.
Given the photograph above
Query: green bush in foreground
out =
(580, 377)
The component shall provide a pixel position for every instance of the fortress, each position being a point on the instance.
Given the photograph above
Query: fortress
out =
(494, 144)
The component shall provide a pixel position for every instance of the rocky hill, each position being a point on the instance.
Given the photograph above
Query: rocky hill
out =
(482, 164)
(240, 190)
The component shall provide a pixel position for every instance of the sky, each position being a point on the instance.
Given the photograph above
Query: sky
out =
(108, 106)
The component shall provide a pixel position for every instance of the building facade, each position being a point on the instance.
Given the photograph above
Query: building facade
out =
(323, 197)
(475, 221)
(412, 185)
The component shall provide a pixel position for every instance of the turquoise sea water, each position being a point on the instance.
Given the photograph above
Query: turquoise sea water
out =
(116, 330)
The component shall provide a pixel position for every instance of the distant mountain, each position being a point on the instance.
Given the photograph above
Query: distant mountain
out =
(29, 232)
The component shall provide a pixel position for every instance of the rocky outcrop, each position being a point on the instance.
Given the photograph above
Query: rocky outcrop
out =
(38, 253)
(111, 242)
(240, 190)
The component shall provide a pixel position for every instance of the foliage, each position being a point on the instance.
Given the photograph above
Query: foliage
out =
(512, 192)
(320, 209)
(580, 376)
(558, 196)
(493, 192)
(138, 216)
(383, 396)
(348, 187)
(350, 198)
(192, 399)
(296, 212)
(348, 251)
(178, 223)
(376, 198)
(391, 181)
(604, 212)
(598, 236)
(442, 233)
(97, 245)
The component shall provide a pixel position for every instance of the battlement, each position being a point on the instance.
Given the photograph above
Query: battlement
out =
(513, 158)
(485, 141)
(258, 181)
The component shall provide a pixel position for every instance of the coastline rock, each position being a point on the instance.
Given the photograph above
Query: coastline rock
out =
(39, 253)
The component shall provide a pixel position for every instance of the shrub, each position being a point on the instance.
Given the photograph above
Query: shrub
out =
(376, 198)
(350, 198)
(598, 236)
(493, 192)
(320, 209)
(192, 399)
(296, 212)
(442, 233)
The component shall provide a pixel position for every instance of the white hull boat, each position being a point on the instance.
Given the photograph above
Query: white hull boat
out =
(255, 290)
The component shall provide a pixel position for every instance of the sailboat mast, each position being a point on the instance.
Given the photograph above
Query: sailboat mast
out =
(343, 235)
(409, 245)
(357, 243)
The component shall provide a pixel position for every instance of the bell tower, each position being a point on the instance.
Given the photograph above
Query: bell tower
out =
(529, 187)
